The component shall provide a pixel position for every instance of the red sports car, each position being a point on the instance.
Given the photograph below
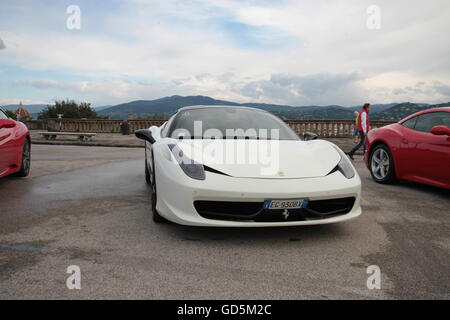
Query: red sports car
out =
(15, 147)
(416, 148)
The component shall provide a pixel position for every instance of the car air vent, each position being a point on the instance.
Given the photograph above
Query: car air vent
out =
(212, 209)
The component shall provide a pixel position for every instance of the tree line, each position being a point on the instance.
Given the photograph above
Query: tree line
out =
(70, 110)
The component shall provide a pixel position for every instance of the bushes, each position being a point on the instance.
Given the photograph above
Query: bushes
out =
(69, 110)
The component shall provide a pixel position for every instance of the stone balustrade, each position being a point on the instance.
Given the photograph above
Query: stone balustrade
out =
(324, 128)
(329, 128)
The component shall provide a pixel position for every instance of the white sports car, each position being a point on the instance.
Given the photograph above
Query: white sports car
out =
(243, 167)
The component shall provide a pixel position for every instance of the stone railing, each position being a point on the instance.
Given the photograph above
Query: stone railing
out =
(329, 128)
(324, 128)
(97, 126)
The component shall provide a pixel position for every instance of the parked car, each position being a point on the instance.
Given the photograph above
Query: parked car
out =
(312, 181)
(15, 147)
(416, 148)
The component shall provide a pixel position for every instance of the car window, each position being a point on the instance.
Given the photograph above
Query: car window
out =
(427, 121)
(230, 123)
(2, 115)
(410, 123)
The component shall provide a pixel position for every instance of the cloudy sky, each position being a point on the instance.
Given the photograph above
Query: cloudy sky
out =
(297, 52)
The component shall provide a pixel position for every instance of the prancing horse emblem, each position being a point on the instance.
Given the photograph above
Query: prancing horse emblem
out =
(285, 214)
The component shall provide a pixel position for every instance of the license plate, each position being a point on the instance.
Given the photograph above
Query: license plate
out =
(285, 204)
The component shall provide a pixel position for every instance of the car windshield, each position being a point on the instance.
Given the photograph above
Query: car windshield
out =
(229, 123)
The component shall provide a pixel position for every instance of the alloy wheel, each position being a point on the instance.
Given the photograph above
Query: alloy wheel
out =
(380, 164)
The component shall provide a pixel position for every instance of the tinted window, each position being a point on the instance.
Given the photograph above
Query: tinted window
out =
(410, 123)
(230, 123)
(427, 121)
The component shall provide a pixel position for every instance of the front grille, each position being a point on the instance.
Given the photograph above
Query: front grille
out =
(227, 208)
(253, 211)
(340, 205)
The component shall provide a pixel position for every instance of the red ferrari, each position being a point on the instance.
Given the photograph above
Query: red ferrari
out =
(416, 148)
(15, 147)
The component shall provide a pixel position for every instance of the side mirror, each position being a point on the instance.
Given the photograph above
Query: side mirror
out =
(145, 134)
(309, 136)
(441, 130)
(7, 123)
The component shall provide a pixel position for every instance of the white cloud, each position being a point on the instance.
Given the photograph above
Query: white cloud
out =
(4, 102)
(317, 89)
(327, 55)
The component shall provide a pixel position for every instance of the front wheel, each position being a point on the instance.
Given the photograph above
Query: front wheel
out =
(382, 165)
(26, 160)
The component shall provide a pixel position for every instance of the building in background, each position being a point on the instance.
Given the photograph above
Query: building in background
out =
(22, 114)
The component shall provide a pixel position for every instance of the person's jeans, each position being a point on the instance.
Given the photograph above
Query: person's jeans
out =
(362, 142)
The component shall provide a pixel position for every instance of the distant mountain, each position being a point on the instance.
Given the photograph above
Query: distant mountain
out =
(101, 108)
(402, 110)
(375, 107)
(316, 113)
(166, 106)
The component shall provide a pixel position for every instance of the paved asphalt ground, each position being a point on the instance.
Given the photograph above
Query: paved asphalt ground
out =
(90, 206)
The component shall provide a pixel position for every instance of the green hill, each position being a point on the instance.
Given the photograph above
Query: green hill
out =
(168, 105)
(403, 110)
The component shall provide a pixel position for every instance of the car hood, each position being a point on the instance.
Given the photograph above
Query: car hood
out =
(263, 158)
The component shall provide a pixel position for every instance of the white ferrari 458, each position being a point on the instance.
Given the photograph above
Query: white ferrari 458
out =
(243, 167)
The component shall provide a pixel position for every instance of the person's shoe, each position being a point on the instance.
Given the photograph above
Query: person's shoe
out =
(350, 156)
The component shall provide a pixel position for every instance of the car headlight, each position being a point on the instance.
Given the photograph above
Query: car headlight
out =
(346, 168)
(344, 165)
(192, 169)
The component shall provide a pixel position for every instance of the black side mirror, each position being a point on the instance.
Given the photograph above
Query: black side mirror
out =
(309, 136)
(145, 134)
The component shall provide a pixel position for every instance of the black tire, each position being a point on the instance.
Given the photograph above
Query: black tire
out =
(147, 173)
(381, 165)
(26, 160)
(155, 215)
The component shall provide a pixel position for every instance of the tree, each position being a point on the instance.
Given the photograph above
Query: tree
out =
(70, 110)
(11, 114)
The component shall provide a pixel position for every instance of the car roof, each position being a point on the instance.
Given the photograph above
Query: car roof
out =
(441, 109)
(217, 106)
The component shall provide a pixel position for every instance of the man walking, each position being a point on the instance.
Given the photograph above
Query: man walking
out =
(363, 128)
(356, 131)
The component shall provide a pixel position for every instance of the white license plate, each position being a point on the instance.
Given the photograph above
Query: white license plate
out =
(284, 204)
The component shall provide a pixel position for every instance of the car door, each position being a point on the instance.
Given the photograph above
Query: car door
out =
(405, 155)
(7, 150)
(429, 153)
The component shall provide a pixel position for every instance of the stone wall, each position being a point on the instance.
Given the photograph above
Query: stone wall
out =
(324, 128)
(329, 128)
